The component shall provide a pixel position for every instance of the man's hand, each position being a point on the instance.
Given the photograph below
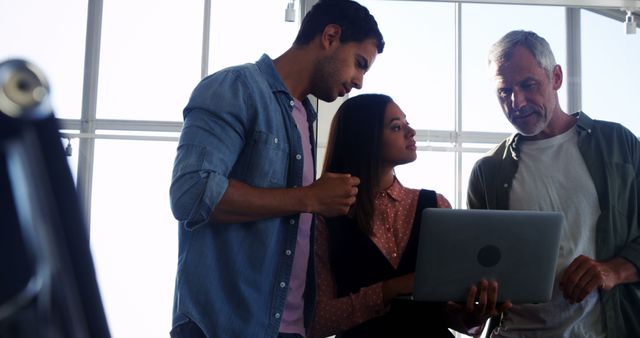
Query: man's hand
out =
(481, 305)
(584, 275)
(333, 194)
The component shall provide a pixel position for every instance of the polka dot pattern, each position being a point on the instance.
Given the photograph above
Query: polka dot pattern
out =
(392, 220)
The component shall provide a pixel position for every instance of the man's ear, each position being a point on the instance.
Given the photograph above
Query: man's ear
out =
(331, 36)
(556, 77)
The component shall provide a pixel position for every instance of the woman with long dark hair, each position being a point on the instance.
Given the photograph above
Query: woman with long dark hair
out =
(365, 260)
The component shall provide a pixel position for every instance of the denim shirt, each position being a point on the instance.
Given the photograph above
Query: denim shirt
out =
(612, 155)
(232, 279)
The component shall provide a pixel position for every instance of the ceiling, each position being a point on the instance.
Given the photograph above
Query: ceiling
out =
(617, 14)
(614, 9)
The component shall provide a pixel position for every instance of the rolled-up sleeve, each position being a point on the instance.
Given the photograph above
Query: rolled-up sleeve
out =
(211, 139)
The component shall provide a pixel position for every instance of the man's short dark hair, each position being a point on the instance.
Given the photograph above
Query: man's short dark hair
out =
(356, 22)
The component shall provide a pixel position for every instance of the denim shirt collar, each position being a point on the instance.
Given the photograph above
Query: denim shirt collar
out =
(265, 65)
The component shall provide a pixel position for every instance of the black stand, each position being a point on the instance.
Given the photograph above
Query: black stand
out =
(48, 287)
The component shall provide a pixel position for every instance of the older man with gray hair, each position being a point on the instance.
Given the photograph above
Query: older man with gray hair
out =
(589, 170)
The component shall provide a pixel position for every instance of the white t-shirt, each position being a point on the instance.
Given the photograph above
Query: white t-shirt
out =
(552, 176)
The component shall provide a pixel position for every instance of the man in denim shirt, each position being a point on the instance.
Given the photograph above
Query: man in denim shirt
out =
(243, 182)
(587, 169)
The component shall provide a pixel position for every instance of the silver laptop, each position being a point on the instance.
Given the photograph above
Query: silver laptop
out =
(459, 247)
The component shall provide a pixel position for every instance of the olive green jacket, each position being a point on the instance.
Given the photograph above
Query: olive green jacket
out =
(612, 155)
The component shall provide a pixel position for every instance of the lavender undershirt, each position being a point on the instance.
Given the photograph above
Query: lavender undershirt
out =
(293, 317)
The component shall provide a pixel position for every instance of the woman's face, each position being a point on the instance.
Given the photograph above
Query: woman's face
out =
(398, 144)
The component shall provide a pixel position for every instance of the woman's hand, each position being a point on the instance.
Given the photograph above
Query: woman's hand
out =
(398, 286)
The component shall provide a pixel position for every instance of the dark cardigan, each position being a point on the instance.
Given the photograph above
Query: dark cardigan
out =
(356, 262)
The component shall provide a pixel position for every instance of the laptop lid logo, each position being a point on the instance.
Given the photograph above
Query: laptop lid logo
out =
(489, 255)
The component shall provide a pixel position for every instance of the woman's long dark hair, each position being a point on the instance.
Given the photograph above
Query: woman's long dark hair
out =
(355, 147)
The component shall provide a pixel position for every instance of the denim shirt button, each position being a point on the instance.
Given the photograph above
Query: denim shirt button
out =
(287, 252)
(275, 140)
(291, 103)
(506, 185)
(298, 156)
(277, 315)
(292, 221)
(282, 284)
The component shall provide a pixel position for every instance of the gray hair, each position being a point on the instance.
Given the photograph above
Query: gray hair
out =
(502, 51)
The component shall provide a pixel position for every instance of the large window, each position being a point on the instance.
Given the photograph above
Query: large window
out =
(239, 35)
(417, 66)
(149, 58)
(610, 71)
(133, 235)
(434, 66)
(51, 38)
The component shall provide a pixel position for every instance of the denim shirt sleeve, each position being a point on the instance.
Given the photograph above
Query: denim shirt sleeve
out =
(212, 137)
